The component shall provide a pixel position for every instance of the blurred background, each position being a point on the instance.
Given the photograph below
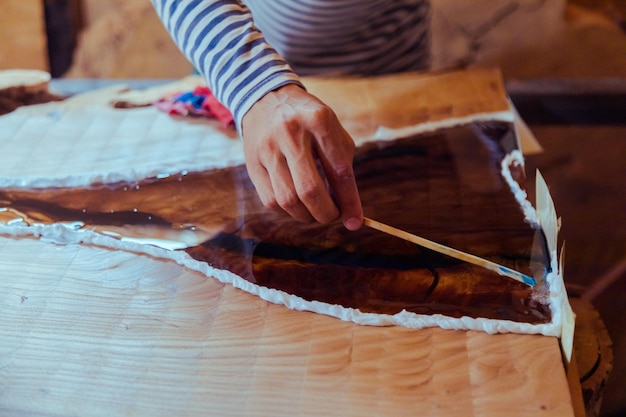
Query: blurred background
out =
(125, 39)
(571, 51)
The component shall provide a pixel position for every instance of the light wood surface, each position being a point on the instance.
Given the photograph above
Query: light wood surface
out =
(77, 339)
(365, 105)
(23, 34)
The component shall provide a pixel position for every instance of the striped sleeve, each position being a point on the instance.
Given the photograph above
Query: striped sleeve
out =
(220, 39)
(339, 37)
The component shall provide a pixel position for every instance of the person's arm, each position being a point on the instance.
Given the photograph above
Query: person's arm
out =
(284, 129)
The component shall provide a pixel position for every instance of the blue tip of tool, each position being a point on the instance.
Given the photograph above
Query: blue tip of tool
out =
(520, 277)
(529, 280)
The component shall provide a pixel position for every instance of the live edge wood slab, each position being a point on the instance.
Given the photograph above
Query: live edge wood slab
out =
(75, 339)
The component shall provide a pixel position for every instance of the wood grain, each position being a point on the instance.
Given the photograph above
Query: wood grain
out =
(93, 332)
(89, 331)
(364, 105)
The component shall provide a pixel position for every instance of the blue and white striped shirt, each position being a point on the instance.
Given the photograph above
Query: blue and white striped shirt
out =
(244, 57)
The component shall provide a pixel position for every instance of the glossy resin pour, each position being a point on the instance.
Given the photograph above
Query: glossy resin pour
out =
(445, 186)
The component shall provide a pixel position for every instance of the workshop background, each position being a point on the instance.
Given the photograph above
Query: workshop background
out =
(546, 42)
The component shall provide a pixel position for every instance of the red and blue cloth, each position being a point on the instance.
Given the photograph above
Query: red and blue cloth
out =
(198, 102)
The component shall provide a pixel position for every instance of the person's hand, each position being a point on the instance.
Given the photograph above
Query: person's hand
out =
(284, 134)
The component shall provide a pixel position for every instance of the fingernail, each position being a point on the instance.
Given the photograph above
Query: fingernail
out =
(353, 223)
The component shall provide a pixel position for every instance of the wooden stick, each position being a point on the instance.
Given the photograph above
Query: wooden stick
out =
(457, 254)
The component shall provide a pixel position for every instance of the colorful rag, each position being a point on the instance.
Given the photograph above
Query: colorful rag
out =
(198, 102)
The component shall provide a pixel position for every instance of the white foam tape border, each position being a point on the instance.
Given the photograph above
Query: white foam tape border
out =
(60, 234)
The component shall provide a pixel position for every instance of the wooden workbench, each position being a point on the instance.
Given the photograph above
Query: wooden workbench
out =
(77, 340)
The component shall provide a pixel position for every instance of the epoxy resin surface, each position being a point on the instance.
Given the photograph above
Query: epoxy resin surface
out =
(445, 186)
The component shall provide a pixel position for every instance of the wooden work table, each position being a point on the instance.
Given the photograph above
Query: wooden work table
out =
(77, 341)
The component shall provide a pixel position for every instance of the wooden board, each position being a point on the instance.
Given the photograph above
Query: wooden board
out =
(75, 339)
